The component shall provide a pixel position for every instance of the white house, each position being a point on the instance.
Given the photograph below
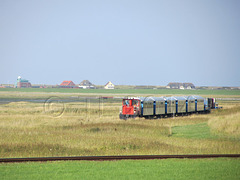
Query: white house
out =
(85, 84)
(109, 85)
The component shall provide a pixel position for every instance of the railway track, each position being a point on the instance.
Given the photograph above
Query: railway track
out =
(114, 158)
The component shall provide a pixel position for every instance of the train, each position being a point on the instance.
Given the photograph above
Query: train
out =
(160, 107)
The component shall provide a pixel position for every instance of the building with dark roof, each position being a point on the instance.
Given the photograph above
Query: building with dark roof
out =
(177, 85)
(86, 84)
(189, 86)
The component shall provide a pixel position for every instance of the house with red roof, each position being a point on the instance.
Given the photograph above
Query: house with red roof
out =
(67, 84)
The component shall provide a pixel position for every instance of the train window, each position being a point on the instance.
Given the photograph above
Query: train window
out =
(161, 102)
(126, 102)
(172, 102)
(135, 102)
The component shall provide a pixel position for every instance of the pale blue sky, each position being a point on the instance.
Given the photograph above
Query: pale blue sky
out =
(133, 42)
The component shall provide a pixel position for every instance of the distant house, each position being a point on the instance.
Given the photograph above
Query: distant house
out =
(86, 84)
(188, 86)
(22, 83)
(109, 85)
(67, 84)
(174, 85)
(177, 85)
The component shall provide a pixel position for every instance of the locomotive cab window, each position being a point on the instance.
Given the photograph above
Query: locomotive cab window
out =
(135, 102)
(126, 102)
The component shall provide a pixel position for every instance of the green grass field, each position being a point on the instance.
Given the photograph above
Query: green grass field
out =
(124, 91)
(221, 168)
(194, 131)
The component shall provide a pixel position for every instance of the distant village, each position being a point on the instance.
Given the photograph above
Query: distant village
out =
(86, 84)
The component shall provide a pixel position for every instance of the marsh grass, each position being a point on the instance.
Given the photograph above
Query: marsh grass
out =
(26, 130)
(227, 124)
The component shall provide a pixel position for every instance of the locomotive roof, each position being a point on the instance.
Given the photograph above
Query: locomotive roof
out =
(131, 98)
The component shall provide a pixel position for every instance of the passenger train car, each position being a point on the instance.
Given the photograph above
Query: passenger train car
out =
(158, 107)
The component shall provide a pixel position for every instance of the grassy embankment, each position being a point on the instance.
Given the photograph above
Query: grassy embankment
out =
(26, 130)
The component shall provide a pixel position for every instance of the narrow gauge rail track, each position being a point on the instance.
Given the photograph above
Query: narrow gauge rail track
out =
(114, 158)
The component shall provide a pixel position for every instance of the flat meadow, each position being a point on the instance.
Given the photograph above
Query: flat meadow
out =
(221, 168)
(36, 124)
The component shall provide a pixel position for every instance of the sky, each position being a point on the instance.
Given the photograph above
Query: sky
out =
(128, 42)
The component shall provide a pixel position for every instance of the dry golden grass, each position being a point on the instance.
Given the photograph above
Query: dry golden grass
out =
(27, 130)
(227, 124)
